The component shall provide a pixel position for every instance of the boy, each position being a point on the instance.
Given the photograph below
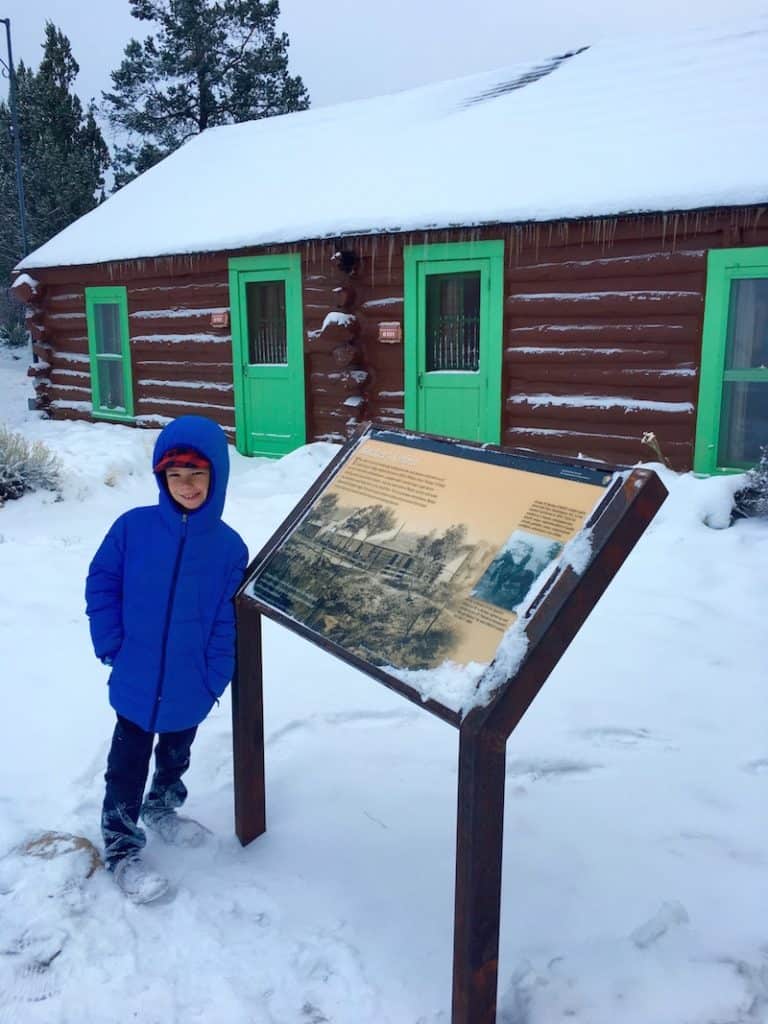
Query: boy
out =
(159, 600)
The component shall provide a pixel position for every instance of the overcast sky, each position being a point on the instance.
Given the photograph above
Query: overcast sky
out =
(348, 49)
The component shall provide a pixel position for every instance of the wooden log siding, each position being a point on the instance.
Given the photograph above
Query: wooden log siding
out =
(602, 331)
(600, 349)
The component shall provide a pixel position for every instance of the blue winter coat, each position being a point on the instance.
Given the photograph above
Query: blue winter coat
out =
(159, 595)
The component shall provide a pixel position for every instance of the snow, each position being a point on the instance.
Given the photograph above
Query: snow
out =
(23, 279)
(341, 319)
(578, 552)
(509, 657)
(656, 295)
(643, 123)
(600, 402)
(197, 385)
(451, 684)
(169, 314)
(634, 886)
(178, 338)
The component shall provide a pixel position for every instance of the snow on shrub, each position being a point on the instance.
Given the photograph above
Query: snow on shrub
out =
(752, 499)
(14, 335)
(25, 466)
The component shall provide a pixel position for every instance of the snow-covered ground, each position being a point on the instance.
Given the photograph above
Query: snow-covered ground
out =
(636, 860)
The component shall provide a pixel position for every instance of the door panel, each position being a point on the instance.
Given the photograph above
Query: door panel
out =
(268, 354)
(453, 318)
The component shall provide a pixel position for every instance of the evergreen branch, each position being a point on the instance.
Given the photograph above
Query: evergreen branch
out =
(235, 61)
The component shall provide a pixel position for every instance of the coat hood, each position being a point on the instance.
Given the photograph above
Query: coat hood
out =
(207, 438)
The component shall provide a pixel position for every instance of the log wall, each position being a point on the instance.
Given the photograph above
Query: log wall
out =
(602, 331)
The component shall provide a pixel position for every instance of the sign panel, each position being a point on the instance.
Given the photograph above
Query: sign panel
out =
(419, 552)
(390, 331)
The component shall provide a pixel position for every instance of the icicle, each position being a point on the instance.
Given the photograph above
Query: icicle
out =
(615, 228)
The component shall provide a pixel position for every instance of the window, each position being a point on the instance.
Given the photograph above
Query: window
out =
(267, 333)
(106, 311)
(453, 322)
(732, 422)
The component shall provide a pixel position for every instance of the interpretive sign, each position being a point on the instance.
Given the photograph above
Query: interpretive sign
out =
(418, 552)
(456, 574)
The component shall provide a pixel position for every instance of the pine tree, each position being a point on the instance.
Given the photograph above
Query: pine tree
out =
(63, 153)
(211, 62)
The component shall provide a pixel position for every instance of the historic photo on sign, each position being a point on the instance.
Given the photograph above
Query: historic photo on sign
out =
(411, 557)
(511, 574)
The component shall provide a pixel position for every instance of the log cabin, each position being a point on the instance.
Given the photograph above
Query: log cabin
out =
(568, 256)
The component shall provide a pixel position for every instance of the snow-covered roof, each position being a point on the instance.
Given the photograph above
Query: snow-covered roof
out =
(631, 125)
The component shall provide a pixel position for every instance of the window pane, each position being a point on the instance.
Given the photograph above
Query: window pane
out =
(107, 320)
(743, 423)
(267, 335)
(111, 393)
(453, 321)
(747, 342)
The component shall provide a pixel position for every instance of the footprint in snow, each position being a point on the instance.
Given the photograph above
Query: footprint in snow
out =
(689, 843)
(27, 967)
(549, 768)
(352, 718)
(345, 718)
(311, 1015)
(757, 767)
(618, 738)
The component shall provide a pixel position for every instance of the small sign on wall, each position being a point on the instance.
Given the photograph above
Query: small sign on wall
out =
(220, 319)
(391, 332)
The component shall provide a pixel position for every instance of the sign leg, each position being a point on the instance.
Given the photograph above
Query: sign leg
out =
(248, 728)
(479, 839)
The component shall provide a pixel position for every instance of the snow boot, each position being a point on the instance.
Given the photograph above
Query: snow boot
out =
(174, 829)
(137, 882)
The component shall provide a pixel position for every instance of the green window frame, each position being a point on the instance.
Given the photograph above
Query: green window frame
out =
(106, 313)
(719, 381)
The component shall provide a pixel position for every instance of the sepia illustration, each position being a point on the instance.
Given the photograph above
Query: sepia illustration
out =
(356, 575)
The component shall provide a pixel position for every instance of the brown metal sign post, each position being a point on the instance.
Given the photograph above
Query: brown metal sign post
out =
(566, 595)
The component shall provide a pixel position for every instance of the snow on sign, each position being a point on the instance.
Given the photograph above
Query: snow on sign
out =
(456, 574)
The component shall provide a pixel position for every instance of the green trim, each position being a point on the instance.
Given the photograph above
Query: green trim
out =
(455, 257)
(112, 417)
(723, 267)
(112, 296)
(242, 271)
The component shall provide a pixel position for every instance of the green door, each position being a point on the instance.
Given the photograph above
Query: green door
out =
(268, 353)
(453, 339)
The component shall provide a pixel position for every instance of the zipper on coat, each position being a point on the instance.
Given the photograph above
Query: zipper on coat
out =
(167, 627)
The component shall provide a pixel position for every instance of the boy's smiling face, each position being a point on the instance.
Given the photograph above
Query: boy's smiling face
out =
(188, 487)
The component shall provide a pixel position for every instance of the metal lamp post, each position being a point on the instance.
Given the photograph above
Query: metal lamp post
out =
(8, 69)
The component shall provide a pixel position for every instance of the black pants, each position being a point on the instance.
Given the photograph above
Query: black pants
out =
(126, 777)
